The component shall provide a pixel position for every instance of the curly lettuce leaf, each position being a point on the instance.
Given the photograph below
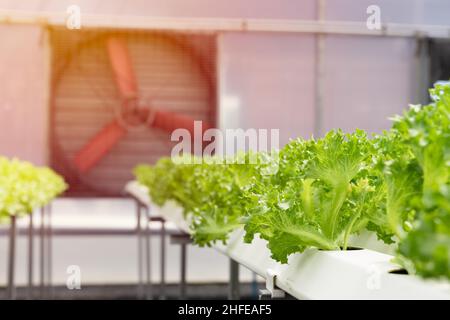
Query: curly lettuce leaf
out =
(210, 191)
(426, 132)
(317, 198)
(398, 183)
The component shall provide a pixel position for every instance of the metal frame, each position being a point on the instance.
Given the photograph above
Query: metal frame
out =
(226, 24)
(234, 292)
(30, 256)
(144, 248)
(162, 283)
(319, 72)
(182, 239)
(49, 256)
(12, 252)
(45, 268)
(140, 287)
(45, 233)
(149, 287)
(11, 288)
(42, 253)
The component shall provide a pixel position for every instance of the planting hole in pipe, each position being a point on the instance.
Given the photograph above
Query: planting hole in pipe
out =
(342, 249)
(399, 271)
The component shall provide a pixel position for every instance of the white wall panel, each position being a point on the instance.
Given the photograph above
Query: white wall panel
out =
(366, 81)
(267, 82)
(435, 12)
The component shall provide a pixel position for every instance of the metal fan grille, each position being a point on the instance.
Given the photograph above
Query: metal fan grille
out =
(174, 72)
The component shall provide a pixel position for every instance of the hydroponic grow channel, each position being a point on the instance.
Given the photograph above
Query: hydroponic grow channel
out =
(352, 274)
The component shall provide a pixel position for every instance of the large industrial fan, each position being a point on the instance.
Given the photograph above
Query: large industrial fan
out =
(117, 97)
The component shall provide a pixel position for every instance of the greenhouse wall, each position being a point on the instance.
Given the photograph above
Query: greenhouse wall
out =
(23, 104)
(353, 77)
(356, 92)
(393, 11)
(266, 80)
(282, 9)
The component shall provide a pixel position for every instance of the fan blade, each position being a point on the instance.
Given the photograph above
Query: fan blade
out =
(98, 146)
(170, 121)
(122, 68)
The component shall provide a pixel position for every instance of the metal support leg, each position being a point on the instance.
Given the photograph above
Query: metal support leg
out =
(254, 286)
(162, 284)
(139, 238)
(11, 291)
(49, 252)
(163, 261)
(42, 254)
(30, 256)
(149, 291)
(183, 272)
(183, 240)
(234, 281)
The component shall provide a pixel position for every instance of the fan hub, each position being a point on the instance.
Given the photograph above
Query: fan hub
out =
(131, 115)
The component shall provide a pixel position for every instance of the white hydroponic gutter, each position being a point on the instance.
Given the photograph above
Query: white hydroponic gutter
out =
(314, 274)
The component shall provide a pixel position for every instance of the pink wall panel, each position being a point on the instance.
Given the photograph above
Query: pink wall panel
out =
(398, 11)
(23, 110)
(276, 9)
(267, 80)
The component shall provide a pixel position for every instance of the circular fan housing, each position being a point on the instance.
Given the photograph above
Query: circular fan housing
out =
(173, 72)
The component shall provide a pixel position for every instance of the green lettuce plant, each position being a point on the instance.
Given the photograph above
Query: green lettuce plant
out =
(24, 187)
(318, 198)
(209, 191)
(395, 184)
(425, 131)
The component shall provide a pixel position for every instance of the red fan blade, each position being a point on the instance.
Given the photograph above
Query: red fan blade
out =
(122, 68)
(98, 146)
(169, 121)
